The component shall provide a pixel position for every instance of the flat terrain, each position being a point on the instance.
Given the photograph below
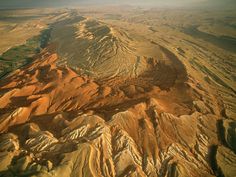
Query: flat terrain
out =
(118, 91)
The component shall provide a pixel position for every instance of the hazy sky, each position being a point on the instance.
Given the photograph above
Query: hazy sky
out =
(50, 3)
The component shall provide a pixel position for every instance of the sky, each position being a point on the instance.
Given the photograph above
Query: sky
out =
(59, 3)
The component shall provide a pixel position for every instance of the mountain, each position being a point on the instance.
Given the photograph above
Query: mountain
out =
(116, 92)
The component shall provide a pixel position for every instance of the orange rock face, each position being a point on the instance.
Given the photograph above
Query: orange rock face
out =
(110, 131)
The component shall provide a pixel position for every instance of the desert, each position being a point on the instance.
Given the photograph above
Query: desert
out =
(117, 91)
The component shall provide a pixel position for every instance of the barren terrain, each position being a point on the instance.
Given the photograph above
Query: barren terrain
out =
(118, 91)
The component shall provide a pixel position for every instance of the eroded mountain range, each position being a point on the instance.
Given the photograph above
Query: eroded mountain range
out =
(119, 92)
